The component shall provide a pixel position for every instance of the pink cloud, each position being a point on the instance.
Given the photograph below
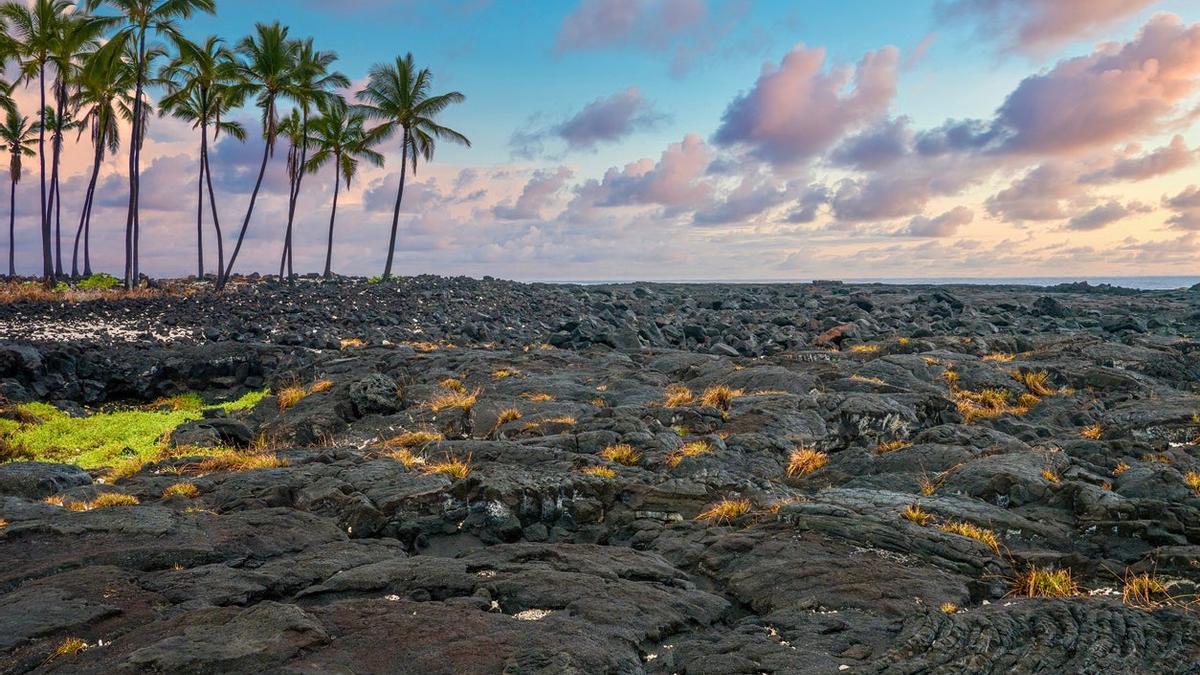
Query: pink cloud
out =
(1167, 159)
(798, 109)
(1038, 26)
(675, 181)
(944, 225)
(645, 23)
(538, 194)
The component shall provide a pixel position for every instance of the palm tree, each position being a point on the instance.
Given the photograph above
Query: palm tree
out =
(102, 95)
(18, 135)
(57, 124)
(338, 136)
(311, 86)
(134, 21)
(268, 68)
(397, 95)
(203, 86)
(75, 35)
(33, 30)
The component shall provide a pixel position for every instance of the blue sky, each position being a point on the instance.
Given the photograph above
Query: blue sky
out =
(735, 139)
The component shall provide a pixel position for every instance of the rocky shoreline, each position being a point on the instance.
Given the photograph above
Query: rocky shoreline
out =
(481, 476)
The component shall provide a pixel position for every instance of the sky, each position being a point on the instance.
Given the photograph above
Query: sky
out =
(717, 139)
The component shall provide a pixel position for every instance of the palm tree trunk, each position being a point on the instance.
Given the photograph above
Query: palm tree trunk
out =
(85, 215)
(56, 195)
(47, 262)
(131, 215)
(212, 201)
(262, 170)
(12, 229)
(387, 269)
(287, 233)
(58, 268)
(337, 184)
(200, 221)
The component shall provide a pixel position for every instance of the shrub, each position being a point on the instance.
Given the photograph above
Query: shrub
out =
(599, 471)
(678, 396)
(184, 489)
(1039, 582)
(805, 461)
(456, 469)
(975, 532)
(914, 513)
(726, 511)
(621, 453)
(99, 282)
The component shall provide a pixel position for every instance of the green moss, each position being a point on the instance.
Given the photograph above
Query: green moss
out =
(107, 438)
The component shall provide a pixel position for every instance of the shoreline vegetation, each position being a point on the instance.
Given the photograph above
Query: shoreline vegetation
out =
(107, 68)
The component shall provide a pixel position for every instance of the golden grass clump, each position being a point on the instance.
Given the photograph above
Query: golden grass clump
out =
(726, 511)
(1119, 469)
(449, 399)
(320, 386)
(1037, 382)
(290, 395)
(914, 513)
(236, 462)
(691, 449)
(565, 420)
(508, 415)
(599, 471)
(352, 343)
(875, 381)
(678, 396)
(406, 457)
(975, 532)
(109, 500)
(999, 357)
(1051, 475)
(804, 461)
(68, 647)
(537, 396)
(1143, 591)
(1092, 432)
(125, 469)
(929, 485)
(182, 489)
(412, 439)
(455, 469)
(983, 404)
(891, 446)
(1041, 582)
(452, 384)
(1157, 457)
(1192, 480)
(720, 396)
(949, 608)
(3, 523)
(622, 453)
(599, 402)
(503, 373)
(864, 349)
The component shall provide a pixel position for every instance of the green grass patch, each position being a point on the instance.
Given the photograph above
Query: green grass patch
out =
(108, 438)
(99, 282)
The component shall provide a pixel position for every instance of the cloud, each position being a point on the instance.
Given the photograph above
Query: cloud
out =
(1104, 215)
(798, 109)
(675, 181)
(604, 120)
(750, 198)
(1039, 26)
(541, 189)
(596, 24)
(883, 143)
(1164, 160)
(1047, 192)
(1187, 209)
(944, 225)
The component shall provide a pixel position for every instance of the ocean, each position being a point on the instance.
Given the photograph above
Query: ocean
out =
(1146, 283)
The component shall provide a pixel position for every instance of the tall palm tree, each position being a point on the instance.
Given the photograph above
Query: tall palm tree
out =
(57, 124)
(338, 136)
(311, 86)
(135, 20)
(397, 96)
(75, 36)
(33, 30)
(19, 137)
(203, 85)
(104, 99)
(268, 67)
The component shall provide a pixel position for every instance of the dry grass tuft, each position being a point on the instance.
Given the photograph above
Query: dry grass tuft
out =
(1051, 475)
(508, 415)
(125, 469)
(109, 500)
(874, 381)
(1143, 591)
(891, 446)
(726, 511)
(290, 395)
(720, 396)
(678, 396)
(353, 343)
(975, 532)
(999, 357)
(1192, 480)
(984, 404)
(565, 420)
(452, 384)
(3, 523)
(691, 449)
(236, 462)
(537, 396)
(1040, 582)
(914, 513)
(929, 485)
(1036, 382)
(1158, 458)
(463, 400)
(184, 489)
(502, 373)
(949, 608)
(1120, 469)
(622, 453)
(599, 471)
(406, 457)
(320, 386)
(864, 349)
(68, 647)
(805, 461)
(412, 439)
(456, 469)
(1092, 432)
